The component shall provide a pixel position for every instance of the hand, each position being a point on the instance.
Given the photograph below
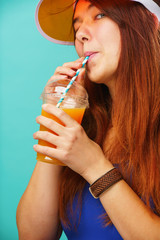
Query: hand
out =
(68, 70)
(73, 147)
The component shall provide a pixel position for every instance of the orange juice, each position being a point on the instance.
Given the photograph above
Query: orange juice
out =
(75, 113)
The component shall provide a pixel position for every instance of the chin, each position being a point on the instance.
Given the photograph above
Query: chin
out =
(95, 77)
(95, 80)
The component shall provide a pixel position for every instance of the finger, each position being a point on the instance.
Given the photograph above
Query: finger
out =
(50, 124)
(80, 59)
(54, 79)
(65, 71)
(48, 151)
(47, 136)
(60, 114)
(74, 65)
(61, 74)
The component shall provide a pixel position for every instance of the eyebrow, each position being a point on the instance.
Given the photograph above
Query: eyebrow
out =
(77, 18)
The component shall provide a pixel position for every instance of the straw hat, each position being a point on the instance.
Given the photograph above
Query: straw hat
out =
(54, 18)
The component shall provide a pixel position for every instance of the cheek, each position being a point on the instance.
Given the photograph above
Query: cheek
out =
(111, 46)
(108, 34)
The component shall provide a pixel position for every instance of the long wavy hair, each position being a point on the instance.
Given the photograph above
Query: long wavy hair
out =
(135, 113)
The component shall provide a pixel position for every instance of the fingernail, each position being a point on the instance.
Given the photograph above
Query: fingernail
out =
(80, 59)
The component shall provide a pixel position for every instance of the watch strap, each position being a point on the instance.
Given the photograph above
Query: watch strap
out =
(104, 182)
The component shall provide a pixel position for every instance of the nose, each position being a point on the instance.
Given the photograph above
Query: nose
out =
(84, 32)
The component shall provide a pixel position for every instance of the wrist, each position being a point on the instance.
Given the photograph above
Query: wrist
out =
(97, 170)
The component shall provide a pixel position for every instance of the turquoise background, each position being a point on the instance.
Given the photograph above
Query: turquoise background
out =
(27, 61)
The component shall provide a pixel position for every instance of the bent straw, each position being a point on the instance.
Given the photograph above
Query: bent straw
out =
(71, 82)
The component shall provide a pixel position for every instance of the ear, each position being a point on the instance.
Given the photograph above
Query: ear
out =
(155, 20)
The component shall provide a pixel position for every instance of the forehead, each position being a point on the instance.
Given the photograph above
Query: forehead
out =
(78, 2)
(82, 5)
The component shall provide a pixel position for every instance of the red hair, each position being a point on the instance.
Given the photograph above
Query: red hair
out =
(135, 113)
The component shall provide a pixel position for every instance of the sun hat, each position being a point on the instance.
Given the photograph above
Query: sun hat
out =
(54, 18)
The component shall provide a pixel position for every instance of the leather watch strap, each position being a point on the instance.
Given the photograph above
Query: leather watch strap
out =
(104, 182)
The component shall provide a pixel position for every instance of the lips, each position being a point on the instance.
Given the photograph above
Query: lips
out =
(90, 54)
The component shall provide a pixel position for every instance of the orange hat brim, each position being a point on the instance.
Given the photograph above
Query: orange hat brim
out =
(54, 20)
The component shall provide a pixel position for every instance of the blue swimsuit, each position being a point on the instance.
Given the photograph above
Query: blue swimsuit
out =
(91, 226)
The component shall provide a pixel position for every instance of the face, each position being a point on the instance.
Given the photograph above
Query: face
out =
(98, 36)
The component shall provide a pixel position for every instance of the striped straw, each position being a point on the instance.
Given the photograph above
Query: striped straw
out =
(71, 82)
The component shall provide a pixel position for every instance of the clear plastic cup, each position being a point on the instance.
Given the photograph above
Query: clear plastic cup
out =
(74, 104)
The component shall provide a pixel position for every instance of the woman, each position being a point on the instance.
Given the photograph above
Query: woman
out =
(121, 129)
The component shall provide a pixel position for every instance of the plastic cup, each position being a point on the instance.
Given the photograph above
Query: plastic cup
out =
(74, 104)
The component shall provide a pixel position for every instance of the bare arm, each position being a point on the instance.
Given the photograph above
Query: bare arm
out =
(129, 214)
(127, 211)
(131, 217)
(37, 212)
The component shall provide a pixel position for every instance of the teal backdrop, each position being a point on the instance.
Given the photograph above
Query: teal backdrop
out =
(27, 61)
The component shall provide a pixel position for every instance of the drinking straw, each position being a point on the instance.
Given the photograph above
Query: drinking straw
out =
(71, 82)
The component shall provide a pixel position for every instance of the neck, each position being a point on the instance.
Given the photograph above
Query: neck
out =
(111, 87)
